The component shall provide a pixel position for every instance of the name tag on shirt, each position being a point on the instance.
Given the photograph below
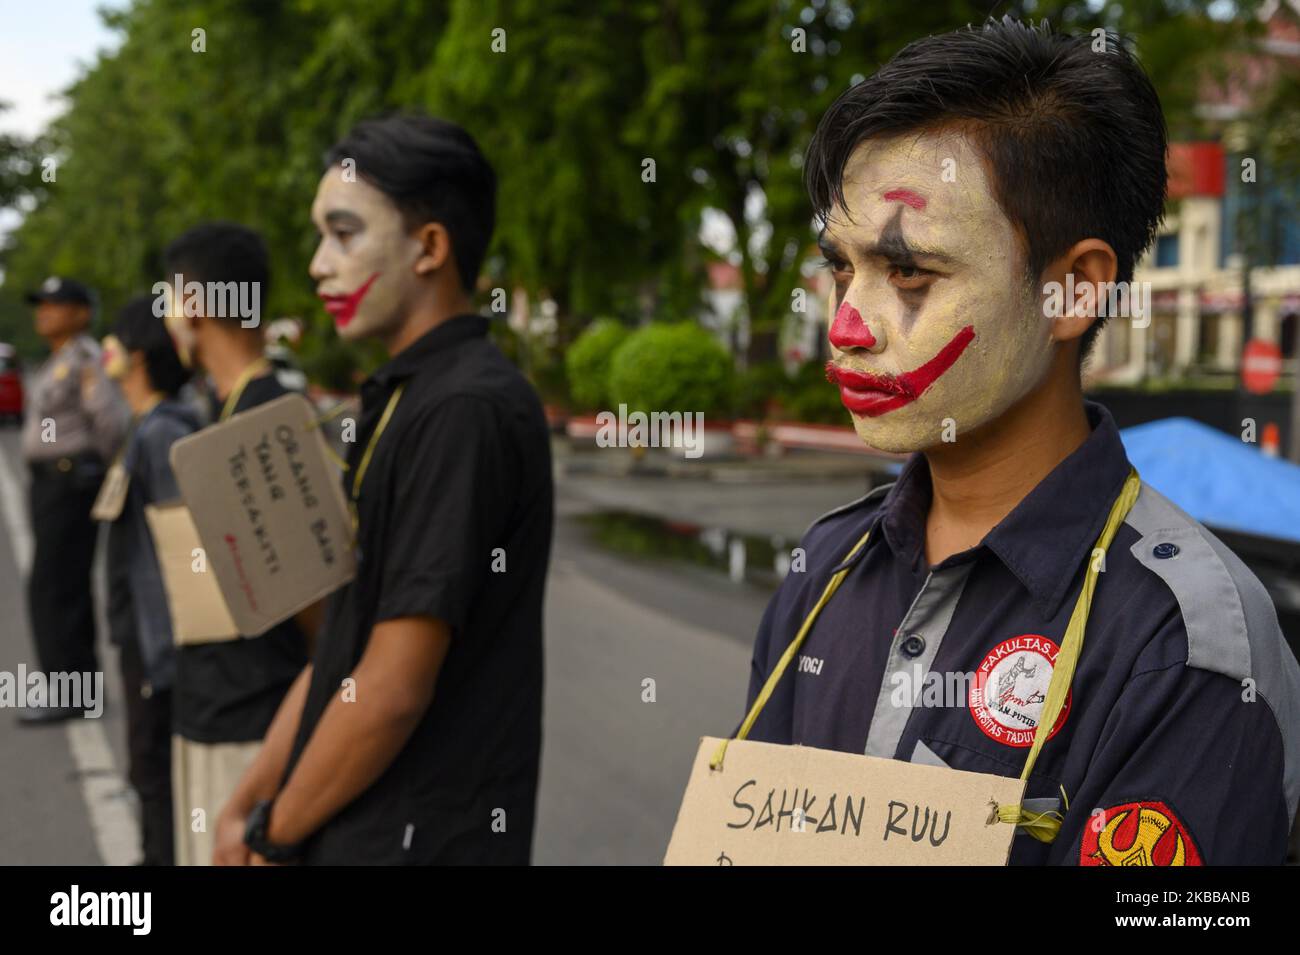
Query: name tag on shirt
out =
(198, 611)
(269, 511)
(112, 494)
(796, 805)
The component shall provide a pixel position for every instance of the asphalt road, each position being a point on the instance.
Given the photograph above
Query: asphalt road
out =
(62, 795)
(614, 764)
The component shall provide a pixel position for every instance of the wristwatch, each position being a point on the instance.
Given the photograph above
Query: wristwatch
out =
(255, 836)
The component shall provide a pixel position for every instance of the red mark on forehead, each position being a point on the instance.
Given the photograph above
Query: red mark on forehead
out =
(849, 330)
(906, 196)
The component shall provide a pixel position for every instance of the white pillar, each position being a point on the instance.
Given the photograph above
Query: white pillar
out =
(1137, 352)
(1228, 354)
(1267, 323)
(1186, 329)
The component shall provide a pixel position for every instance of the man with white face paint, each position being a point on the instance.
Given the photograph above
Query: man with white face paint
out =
(450, 482)
(141, 358)
(1018, 602)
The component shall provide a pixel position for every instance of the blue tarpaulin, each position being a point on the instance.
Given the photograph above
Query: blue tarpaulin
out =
(1218, 479)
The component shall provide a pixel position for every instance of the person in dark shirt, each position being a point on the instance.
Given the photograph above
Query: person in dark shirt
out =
(415, 735)
(227, 691)
(140, 358)
(1019, 602)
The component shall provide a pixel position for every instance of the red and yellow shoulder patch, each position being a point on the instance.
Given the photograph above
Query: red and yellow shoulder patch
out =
(1137, 833)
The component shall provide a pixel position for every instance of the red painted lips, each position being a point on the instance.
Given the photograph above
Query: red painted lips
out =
(873, 395)
(344, 307)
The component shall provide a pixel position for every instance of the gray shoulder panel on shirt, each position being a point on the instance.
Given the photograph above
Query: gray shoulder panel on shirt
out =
(1230, 619)
(874, 494)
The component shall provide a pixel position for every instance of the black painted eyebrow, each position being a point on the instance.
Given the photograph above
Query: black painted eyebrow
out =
(828, 246)
(342, 217)
(888, 248)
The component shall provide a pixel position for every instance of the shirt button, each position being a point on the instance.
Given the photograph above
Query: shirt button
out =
(914, 645)
(1165, 550)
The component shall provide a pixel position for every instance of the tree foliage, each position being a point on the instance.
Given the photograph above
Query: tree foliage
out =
(569, 101)
(587, 362)
(671, 366)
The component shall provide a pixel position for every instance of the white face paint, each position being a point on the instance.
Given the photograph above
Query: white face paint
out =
(179, 326)
(364, 264)
(935, 317)
(113, 358)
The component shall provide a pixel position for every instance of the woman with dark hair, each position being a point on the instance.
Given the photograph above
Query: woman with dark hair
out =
(139, 356)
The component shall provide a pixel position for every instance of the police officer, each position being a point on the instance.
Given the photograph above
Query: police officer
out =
(75, 421)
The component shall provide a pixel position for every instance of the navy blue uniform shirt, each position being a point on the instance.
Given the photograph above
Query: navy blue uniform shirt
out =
(1178, 742)
(137, 599)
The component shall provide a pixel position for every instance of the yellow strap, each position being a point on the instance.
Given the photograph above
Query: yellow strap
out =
(1044, 826)
(322, 419)
(364, 464)
(775, 676)
(331, 414)
(334, 456)
(1072, 644)
(247, 375)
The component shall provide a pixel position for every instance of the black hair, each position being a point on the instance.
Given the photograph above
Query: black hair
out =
(434, 172)
(222, 252)
(1075, 139)
(140, 330)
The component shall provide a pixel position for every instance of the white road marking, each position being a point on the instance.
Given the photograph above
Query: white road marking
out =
(15, 517)
(116, 832)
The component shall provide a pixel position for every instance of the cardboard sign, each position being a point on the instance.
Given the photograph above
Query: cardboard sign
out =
(795, 805)
(198, 611)
(112, 494)
(269, 511)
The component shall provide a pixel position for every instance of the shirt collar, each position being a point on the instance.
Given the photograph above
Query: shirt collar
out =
(444, 336)
(1047, 536)
(904, 511)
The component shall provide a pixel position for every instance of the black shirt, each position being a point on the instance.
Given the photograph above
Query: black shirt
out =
(1178, 733)
(228, 692)
(455, 519)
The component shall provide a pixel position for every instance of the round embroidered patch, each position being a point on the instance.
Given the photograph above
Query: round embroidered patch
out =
(1137, 833)
(1010, 686)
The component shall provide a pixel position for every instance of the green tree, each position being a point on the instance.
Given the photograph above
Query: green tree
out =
(721, 98)
(670, 367)
(587, 362)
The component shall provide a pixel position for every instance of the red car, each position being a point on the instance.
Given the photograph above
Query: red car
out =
(11, 385)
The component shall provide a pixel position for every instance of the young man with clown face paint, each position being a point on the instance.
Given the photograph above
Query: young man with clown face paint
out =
(414, 735)
(955, 185)
(141, 359)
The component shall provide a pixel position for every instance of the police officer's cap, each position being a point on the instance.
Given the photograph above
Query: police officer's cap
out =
(57, 289)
